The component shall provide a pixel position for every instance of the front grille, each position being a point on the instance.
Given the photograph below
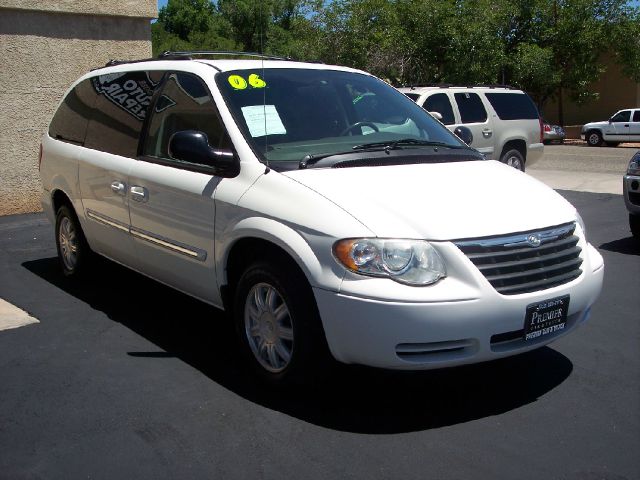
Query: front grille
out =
(512, 265)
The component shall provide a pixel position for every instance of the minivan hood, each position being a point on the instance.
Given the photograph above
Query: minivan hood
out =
(443, 201)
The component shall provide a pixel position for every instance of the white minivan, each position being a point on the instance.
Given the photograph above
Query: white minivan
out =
(327, 213)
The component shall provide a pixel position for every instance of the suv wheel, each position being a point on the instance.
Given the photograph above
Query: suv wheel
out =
(594, 138)
(278, 324)
(73, 249)
(514, 159)
(634, 224)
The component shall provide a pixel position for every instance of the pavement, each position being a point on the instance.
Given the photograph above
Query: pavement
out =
(126, 378)
(577, 167)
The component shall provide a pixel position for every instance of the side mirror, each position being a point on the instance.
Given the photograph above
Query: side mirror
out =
(193, 147)
(436, 115)
(464, 134)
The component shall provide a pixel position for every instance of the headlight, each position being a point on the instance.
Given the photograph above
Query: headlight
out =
(582, 225)
(634, 165)
(412, 262)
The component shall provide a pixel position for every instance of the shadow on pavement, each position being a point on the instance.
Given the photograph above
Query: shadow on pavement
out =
(626, 246)
(353, 399)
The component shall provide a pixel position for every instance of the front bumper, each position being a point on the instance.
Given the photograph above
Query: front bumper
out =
(425, 335)
(631, 190)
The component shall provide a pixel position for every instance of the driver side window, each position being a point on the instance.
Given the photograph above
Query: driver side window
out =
(621, 116)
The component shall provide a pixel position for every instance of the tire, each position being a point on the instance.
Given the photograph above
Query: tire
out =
(634, 225)
(278, 324)
(72, 246)
(594, 138)
(513, 158)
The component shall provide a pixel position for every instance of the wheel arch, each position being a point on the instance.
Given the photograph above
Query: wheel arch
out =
(518, 144)
(257, 238)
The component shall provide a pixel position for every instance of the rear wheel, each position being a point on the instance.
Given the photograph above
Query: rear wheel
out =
(73, 249)
(634, 224)
(514, 159)
(278, 324)
(594, 138)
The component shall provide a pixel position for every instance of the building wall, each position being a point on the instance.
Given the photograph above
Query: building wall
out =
(616, 91)
(44, 47)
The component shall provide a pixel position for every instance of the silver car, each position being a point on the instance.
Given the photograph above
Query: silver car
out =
(631, 187)
(552, 133)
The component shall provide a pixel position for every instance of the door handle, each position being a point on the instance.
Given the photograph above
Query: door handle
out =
(627, 125)
(139, 194)
(118, 187)
(486, 133)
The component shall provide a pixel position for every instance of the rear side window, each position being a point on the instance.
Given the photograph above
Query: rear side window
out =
(413, 96)
(70, 121)
(636, 116)
(120, 111)
(471, 108)
(184, 104)
(513, 106)
(440, 103)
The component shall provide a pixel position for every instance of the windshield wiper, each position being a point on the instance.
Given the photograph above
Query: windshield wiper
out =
(406, 142)
(310, 159)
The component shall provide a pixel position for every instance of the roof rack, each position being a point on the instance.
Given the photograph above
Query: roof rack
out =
(188, 55)
(452, 85)
(214, 53)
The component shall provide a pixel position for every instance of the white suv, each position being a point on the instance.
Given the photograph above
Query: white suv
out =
(321, 208)
(505, 123)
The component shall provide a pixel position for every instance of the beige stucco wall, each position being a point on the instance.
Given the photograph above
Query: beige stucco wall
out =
(125, 8)
(616, 91)
(41, 54)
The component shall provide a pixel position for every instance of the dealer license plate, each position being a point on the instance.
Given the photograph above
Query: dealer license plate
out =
(546, 317)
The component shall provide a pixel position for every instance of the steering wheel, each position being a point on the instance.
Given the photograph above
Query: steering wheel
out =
(359, 124)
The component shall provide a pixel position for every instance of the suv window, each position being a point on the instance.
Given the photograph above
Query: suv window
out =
(471, 108)
(184, 104)
(513, 106)
(440, 103)
(120, 110)
(70, 121)
(413, 96)
(636, 116)
(623, 116)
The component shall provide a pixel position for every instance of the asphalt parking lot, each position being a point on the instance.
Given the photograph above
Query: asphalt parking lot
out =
(124, 378)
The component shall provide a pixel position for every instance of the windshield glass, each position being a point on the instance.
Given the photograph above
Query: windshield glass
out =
(287, 114)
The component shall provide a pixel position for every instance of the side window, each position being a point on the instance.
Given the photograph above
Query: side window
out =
(120, 110)
(184, 104)
(513, 106)
(623, 116)
(70, 121)
(440, 103)
(471, 108)
(636, 116)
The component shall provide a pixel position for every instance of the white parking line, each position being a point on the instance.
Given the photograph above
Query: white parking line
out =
(12, 317)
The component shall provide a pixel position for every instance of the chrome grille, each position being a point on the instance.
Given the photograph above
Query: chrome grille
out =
(527, 261)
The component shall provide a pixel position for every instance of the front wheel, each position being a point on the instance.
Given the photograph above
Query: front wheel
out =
(514, 159)
(278, 324)
(634, 225)
(594, 138)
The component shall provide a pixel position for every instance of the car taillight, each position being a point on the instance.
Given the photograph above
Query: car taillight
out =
(547, 128)
(40, 158)
(541, 131)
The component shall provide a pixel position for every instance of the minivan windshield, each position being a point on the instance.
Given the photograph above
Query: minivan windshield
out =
(289, 114)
